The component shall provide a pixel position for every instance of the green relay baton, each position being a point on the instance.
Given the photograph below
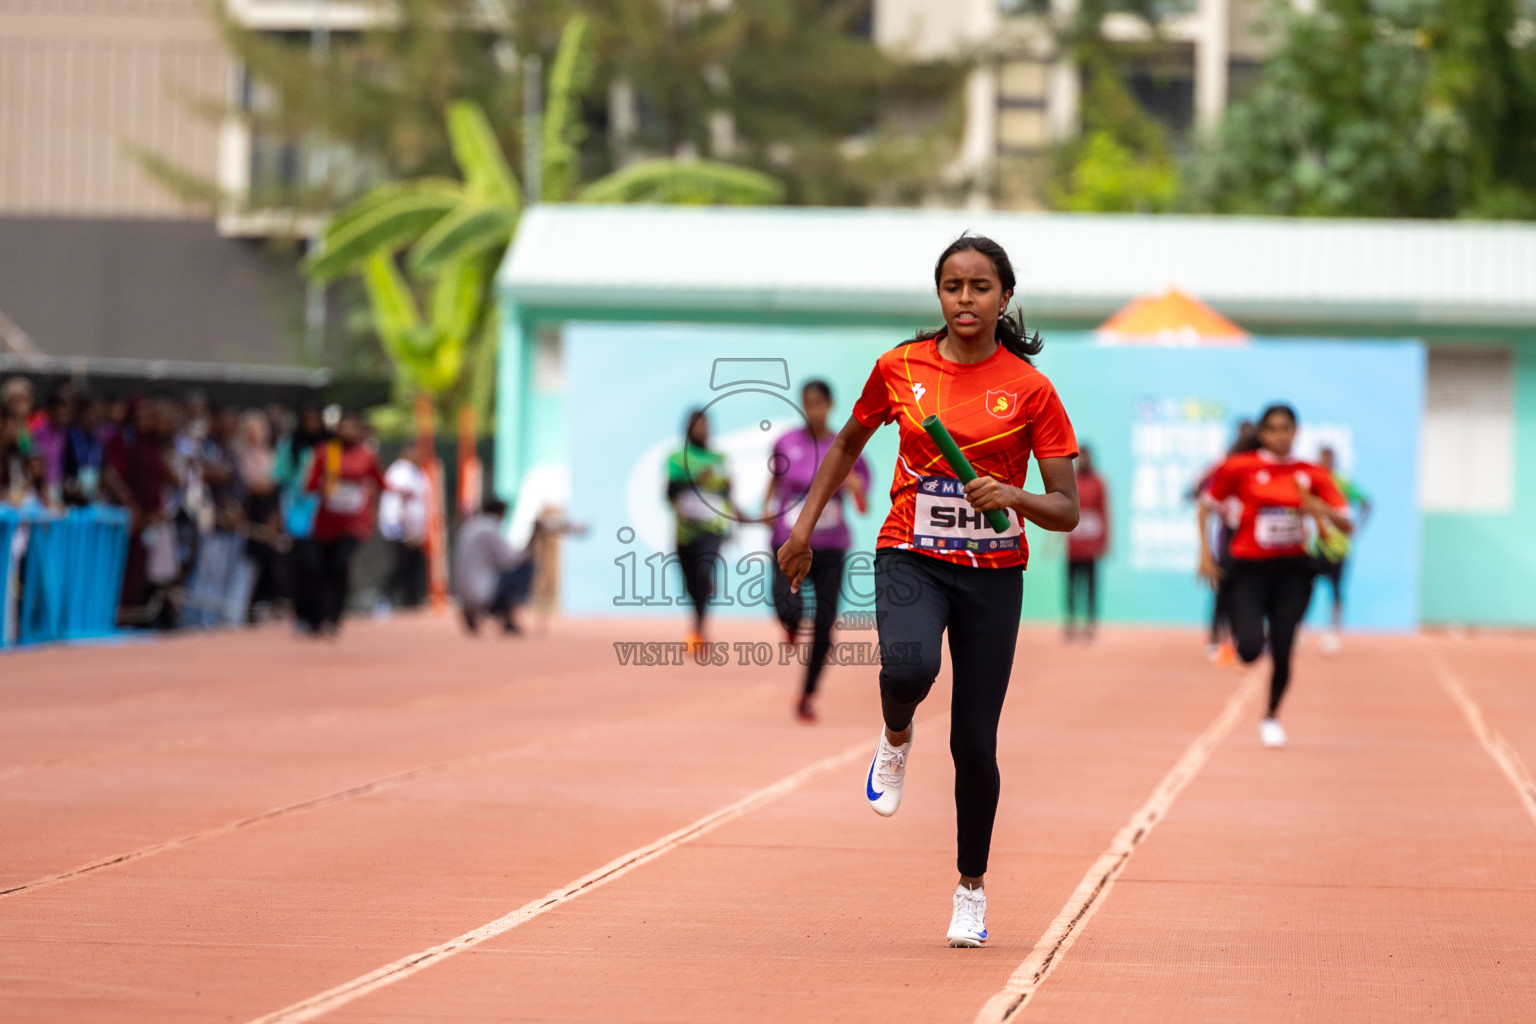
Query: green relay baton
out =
(996, 517)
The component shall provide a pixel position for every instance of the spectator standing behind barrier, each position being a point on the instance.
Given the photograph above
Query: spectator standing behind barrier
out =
(12, 468)
(490, 577)
(1086, 545)
(17, 400)
(403, 523)
(137, 476)
(84, 453)
(265, 542)
(346, 476)
(295, 459)
(50, 437)
(222, 577)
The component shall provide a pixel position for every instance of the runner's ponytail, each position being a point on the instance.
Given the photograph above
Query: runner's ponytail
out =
(1011, 331)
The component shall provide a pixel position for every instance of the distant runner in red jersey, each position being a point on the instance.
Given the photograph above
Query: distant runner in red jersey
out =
(938, 565)
(1271, 571)
(1086, 545)
(346, 475)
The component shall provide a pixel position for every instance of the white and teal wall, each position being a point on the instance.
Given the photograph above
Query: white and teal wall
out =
(1410, 348)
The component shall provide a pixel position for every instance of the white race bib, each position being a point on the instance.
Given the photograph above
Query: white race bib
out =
(692, 507)
(944, 521)
(347, 498)
(1280, 527)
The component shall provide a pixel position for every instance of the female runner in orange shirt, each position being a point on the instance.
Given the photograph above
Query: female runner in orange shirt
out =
(938, 566)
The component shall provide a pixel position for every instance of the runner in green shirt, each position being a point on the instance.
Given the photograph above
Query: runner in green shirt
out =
(699, 490)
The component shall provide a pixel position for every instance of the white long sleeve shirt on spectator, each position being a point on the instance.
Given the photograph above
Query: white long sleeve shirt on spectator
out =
(403, 508)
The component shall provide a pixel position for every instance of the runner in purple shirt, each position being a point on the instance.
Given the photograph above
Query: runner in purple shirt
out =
(793, 466)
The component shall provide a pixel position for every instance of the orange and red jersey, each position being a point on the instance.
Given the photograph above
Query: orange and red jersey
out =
(1266, 490)
(999, 411)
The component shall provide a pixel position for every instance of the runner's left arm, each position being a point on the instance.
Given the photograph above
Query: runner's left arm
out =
(1056, 509)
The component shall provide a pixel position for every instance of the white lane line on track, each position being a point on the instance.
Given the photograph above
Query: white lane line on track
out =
(319, 1005)
(387, 782)
(373, 786)
(1497, 746)
(1094, 888)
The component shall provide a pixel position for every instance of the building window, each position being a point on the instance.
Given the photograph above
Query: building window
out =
(1468, 456)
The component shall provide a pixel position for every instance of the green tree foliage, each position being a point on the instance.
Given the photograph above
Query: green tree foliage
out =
(686, 182)
(377, 98)
(1122, 159)
(1383, 108)
(796, 80)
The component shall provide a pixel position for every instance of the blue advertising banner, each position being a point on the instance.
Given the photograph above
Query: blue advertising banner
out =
(1157, 418)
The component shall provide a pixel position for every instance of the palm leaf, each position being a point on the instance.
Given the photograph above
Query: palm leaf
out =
(388, 192)
(489, 178)
(563, 130)
(384, 224)
(457, 298)
(688, 182)
(468, 231)
(395, 315)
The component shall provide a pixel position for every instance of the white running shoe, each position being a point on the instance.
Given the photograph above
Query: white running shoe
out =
(1271, 733)
(968, 924)
(1330, 642)
(887, 773)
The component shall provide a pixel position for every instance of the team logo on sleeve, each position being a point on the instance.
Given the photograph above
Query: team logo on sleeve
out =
(1001, 403)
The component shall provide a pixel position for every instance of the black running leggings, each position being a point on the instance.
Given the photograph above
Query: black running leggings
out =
(916, 599)
(826, 579)
(697, 560)
(1083, 575)
(1274, 591)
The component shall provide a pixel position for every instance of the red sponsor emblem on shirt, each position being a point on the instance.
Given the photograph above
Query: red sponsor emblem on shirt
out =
(1001, 403)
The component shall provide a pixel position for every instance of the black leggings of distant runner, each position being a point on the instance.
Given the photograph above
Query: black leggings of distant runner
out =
(1273, 591)
(1221, 607)
(697, 561)
(1333, 572)
(333, 578)
(1083, 577)
(826, 579)
(916, 599)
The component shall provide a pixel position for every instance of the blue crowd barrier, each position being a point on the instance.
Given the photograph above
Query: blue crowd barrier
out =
(60, 575)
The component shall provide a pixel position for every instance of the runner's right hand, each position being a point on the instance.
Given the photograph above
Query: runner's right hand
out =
(1209, 570)
(795, 560)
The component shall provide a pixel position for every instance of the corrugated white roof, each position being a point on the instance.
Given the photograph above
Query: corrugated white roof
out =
(849, 262)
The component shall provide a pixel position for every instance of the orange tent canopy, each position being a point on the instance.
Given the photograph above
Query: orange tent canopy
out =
(1172, 318)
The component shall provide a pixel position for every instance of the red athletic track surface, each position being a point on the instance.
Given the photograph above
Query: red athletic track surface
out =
(296, 815)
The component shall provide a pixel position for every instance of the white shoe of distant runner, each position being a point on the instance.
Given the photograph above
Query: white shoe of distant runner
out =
(968, 924)
(1330, 642)
(887, 774)
(1271, 733)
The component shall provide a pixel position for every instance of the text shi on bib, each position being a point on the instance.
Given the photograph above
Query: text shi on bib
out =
(944, 521)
